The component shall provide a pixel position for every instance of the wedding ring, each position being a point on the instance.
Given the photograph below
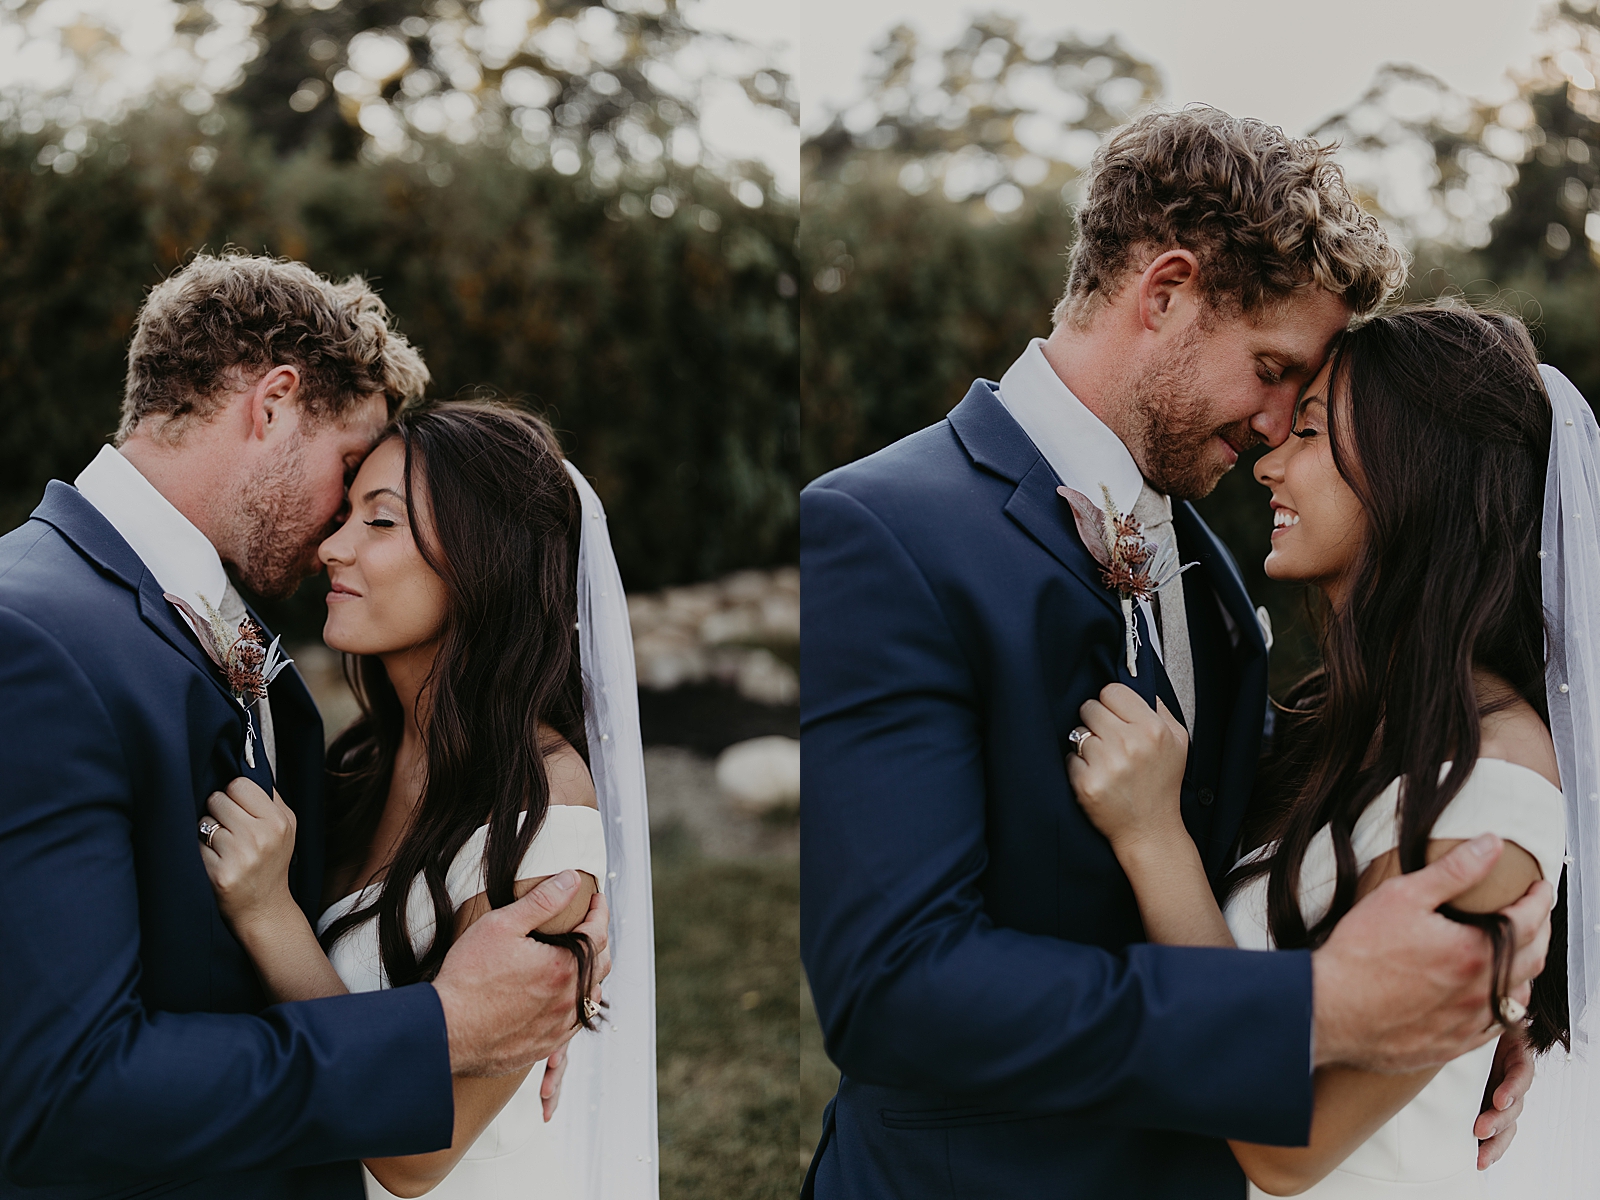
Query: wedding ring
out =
(208, 830)
(591, 1010)
(1077, 738)
(1512, 1011)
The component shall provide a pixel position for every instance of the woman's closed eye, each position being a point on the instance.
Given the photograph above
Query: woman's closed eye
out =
(382, 523)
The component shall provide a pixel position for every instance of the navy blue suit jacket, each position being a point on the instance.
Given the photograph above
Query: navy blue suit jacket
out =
(975, 953)
(138, 1053)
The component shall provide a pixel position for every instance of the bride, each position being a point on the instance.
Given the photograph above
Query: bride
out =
(475, 596)
(1414, 496)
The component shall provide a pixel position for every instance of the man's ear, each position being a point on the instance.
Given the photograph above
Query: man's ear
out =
(272, 399)
(1167, 286)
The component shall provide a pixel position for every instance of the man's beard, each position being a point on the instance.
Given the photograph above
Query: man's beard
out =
(1176, 431)
(280, 539)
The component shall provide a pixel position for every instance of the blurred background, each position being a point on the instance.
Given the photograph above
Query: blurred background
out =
(591, 208)
(943, 150)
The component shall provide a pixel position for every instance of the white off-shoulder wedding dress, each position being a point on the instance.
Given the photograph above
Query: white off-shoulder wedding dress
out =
(517, 1156)
(1427, 1150)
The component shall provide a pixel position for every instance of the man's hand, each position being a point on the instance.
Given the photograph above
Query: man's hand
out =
(508, 1000)
(1509, 1082)
(1398, 987)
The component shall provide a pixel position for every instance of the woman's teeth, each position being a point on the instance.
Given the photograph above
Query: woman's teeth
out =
(1283, 519)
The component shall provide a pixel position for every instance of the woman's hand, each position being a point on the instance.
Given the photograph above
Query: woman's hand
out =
(555, 1070)
(1129, 774)
(248, 858)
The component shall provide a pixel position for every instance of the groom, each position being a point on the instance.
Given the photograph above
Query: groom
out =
(975, 953)
(138, 1054)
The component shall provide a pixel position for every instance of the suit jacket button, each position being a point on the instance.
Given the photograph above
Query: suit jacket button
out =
(1206, 796)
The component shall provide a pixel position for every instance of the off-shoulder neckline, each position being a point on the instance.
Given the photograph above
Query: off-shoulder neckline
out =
(1504, 762)
(480, 831)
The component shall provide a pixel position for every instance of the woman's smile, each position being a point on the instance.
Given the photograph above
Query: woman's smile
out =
(403, 600)
(1318, 524)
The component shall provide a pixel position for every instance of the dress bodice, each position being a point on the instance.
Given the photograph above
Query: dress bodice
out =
(1427, 1150)
(514, 1156)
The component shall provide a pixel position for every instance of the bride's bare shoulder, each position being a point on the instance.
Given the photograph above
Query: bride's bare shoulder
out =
(1516, 734)
(570, 781)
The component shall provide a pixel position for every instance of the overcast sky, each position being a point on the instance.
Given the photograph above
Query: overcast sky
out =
(1288, 61)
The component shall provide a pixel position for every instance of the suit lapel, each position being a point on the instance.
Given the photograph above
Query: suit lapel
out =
(298, 728)
(66, 510)
(1047, 518)
(1239, 725)
(160, 616)
(994, 440)
(1217, 563)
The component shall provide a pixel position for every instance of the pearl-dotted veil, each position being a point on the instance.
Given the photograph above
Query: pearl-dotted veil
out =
(1556, 1153)
(607, 1115)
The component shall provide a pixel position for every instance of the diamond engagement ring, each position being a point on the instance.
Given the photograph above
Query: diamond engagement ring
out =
(1512, 1011)
(1077, 738)
(208, 830)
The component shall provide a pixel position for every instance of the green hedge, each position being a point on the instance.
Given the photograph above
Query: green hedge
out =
(666, 351)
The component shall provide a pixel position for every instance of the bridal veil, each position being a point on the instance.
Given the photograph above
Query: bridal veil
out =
(1556, 1153)
(607, 1114)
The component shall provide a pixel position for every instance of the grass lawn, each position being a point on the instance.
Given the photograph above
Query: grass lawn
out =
(728, 1025)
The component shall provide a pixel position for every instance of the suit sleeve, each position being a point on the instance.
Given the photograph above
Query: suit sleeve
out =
(915, 986)
(95, 1088)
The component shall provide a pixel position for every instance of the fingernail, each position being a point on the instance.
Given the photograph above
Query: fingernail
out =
(1502, 1105)
(1482, 846)
(567, 881)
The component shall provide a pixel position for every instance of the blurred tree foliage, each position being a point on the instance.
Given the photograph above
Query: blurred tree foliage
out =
(612, 88)
(914, 290)
(937, 211)
(652, 315)
(1500, 198)
(997, 116)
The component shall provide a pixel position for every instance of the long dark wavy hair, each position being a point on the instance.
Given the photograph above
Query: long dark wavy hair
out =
(1443, 434)
(504, 535)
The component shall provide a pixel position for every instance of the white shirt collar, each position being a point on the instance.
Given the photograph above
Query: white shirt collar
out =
(182, 559)
(1075, 442)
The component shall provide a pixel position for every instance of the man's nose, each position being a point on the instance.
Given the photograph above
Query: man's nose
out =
(1275, 420)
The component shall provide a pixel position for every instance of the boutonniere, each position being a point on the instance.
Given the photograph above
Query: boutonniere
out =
(1130, 565)
(247, 663)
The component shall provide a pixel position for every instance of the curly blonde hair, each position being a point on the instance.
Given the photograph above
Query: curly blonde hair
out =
(1264, 213)
(222, 319)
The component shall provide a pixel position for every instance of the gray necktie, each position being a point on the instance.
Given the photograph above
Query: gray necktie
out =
(233, 613)
(1154, 512)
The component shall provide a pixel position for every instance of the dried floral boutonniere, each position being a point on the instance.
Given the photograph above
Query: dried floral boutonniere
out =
(247, 663)
(1131, 566)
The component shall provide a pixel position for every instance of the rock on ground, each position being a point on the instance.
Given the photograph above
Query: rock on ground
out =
(684, 795)
(762, 774)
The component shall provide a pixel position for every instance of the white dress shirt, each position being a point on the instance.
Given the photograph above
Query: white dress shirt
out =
(1079, 447)
(182, 559)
